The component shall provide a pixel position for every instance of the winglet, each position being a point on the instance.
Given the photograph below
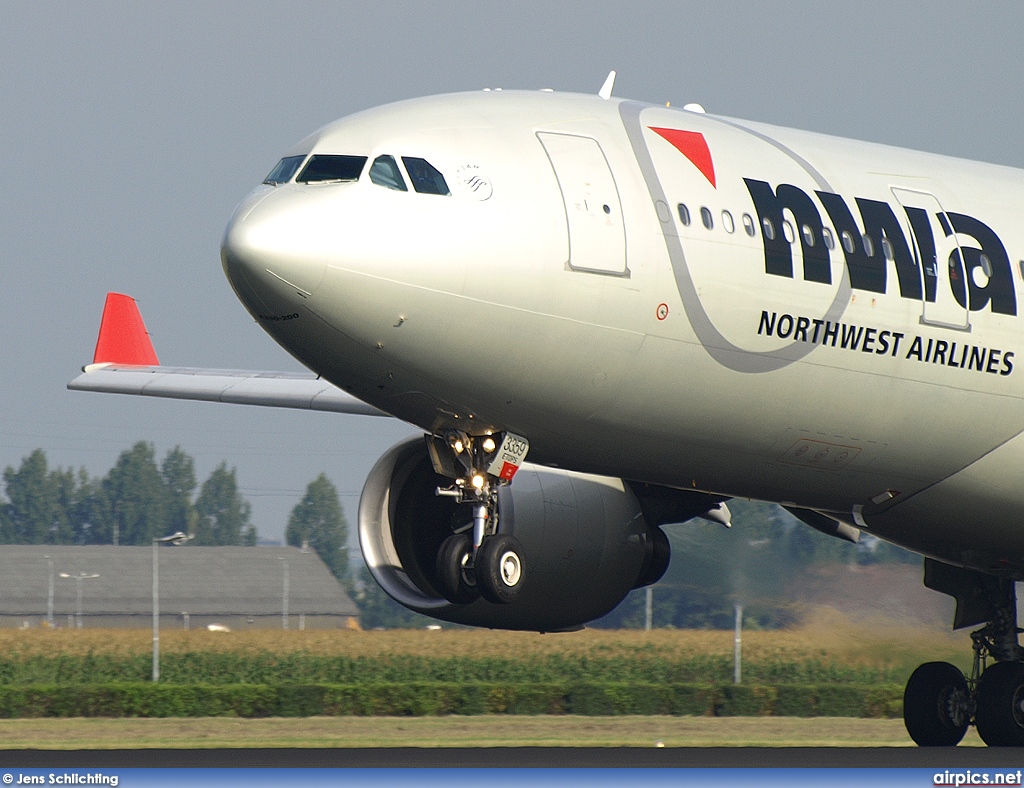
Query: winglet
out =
(606, 89)
(123, 337)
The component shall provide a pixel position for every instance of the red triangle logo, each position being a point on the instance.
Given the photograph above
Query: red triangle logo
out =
(693, 146)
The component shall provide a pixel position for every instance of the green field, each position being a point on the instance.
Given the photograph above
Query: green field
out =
(831, 657)
(829, 650)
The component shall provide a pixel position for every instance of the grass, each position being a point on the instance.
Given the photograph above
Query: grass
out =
(494, 731)
(828, 639)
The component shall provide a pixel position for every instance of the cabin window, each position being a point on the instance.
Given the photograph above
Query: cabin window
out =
(887, 249)
(828, 238)
(869, 246)
(727, 222)
(706, 218)
(847, 242)
(684, 215)
(322, 168)
(808, 234)
(285, 169)
(426, 179)
(787, 232)
(384, 172)
(769, 228)
(748, 224)
(982, 272)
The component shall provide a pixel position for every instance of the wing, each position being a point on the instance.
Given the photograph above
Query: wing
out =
(125, 362)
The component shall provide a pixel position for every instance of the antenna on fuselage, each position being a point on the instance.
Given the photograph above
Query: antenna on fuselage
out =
(606, 89)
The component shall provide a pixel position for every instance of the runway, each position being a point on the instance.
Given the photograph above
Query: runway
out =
(516, 757)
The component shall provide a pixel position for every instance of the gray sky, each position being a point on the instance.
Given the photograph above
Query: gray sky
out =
(129, 131)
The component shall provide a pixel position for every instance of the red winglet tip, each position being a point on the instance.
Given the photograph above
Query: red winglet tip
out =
(123, 337)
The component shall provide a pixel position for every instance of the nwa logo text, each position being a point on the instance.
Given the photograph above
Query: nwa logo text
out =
(978, 275)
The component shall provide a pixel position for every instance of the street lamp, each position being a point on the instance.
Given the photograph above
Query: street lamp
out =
(78, 583)
(49, 593)
(284, 595)
(178, 538)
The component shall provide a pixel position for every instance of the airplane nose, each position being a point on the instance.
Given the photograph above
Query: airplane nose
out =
(277, 241)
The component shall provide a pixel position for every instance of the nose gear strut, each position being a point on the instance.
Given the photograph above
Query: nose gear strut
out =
(489, 562)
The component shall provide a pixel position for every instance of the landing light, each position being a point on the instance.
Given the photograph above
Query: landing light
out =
(477, 481)
(489, 445)
(457, 443)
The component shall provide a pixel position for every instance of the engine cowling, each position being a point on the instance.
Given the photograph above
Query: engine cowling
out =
(584, 538)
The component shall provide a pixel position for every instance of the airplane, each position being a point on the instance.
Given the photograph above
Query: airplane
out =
(665, 309)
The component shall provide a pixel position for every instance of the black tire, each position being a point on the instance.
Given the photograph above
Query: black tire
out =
(457, 584)
(1000, 713)
(499, 569)
(935, 705)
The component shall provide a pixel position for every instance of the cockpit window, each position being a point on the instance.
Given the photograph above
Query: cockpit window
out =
(384, 172)
(324, 167)
(425, 177)
(284, 170)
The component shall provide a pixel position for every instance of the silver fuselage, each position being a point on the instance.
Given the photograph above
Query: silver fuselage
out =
(558, 294)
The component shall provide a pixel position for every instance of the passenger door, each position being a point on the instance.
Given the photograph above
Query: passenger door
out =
(938, 257)
(597, 238)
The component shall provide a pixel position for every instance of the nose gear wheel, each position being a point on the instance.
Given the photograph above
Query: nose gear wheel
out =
(455, 572)
(499, 569)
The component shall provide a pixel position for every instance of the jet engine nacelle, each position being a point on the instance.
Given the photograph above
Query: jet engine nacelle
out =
(585, 543)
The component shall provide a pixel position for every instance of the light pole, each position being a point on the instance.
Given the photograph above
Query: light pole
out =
(49, 593)
(78, 584)
(742, 585)
(284, 595)
(737, 644)
(178, 538)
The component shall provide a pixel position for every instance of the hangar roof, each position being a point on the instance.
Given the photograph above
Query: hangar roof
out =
(193, 580)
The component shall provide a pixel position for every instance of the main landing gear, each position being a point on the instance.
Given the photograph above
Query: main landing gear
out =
(939, 702)
(479, 559)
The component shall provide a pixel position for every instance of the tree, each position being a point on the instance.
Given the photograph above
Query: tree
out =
(222, 513)
(65, 490)
(137, 497)
(34, 513)
(135, 502)
(318, 521)
(179, 475)
(88, 511)
(379, 611)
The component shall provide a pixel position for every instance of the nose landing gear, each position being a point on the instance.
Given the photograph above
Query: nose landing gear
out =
(490, 562)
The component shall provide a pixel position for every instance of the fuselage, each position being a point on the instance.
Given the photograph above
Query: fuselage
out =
(666, 296)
